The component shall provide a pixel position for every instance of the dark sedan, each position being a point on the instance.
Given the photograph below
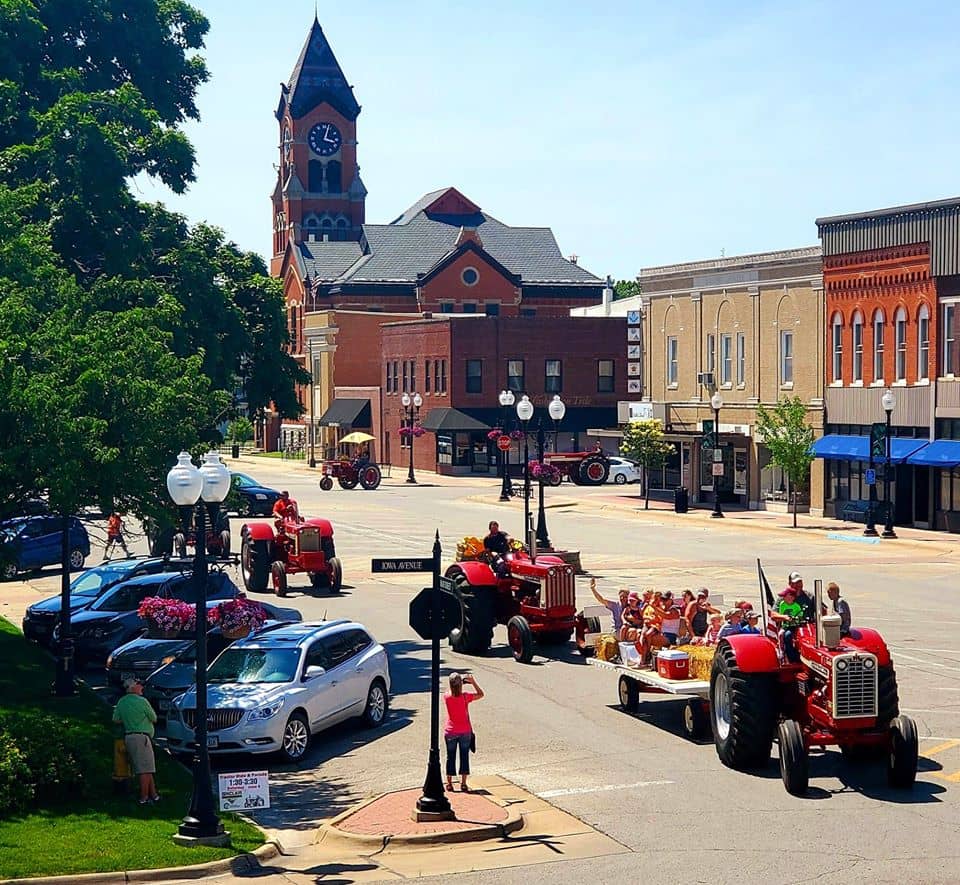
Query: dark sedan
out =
(42, 617)
(111, 620)
(255, 499)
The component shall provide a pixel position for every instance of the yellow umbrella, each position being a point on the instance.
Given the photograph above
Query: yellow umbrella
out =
(358, 436)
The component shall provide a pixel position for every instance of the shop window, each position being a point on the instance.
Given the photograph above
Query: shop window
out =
(836, 348)
(786, 357)
(900, 332)
(673, 361)
(741, 359)
(474, 376)
(923, 343)
(515, 376)
(553, 382)
(604, 376)
(858, 346)
(726, 359)
(878, 333)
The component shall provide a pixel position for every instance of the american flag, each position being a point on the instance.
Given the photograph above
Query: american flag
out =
(766, 597)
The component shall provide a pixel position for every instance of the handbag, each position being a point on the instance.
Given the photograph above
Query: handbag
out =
(473, 742)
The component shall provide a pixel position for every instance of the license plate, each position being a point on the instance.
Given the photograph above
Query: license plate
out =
(212, 741)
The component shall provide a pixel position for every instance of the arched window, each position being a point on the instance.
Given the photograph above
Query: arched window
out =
(900, 330)
(858, 346)
(334, 183)
(343, 227)
(878, 330)
(836, 349)
(311, 222)
(923, 343)
(315, 177)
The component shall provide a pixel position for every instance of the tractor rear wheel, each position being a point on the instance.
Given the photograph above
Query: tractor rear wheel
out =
(593, 470)
(335, 581)
(347, 482)
(318, 580)
(180, 545)
(255, 564)
(326, 484)
(520, 637)
(743, 707)
(477, 617)
(902, 759)
(794, 763)
(370, 477)
(225, 543)
(278, 571)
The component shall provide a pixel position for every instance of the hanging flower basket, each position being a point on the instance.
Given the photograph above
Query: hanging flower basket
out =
(416, 430)
(542, 470)
(496, 433)
(516, 434)
(166, 618)
(238, 618)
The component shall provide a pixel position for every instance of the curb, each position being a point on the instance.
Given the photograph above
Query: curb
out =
(239, 864)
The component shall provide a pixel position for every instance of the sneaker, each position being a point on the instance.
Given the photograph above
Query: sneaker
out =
(155, 799)
(143, 801)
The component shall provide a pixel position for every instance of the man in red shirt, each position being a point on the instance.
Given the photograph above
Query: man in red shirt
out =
(114, 536)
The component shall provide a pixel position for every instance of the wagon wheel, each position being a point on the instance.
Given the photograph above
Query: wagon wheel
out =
(370, 477)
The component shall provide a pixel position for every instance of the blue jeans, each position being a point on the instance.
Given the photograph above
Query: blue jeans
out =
(463, 742)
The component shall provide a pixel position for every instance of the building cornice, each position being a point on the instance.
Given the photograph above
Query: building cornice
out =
(804, 253)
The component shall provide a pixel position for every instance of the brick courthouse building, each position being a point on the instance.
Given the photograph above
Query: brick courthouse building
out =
(442, 255)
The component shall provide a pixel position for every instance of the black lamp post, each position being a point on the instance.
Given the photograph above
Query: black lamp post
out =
(203, 488)
(716, 401)
(557, 410)
(525, 413)
(507, 399)
(412, 406)
(889, 402)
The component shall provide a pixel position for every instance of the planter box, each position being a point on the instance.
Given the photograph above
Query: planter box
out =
(783, 507)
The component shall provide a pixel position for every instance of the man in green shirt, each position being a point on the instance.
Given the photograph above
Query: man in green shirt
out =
(134, 713)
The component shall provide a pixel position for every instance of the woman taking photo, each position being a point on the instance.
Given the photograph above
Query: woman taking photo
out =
(458, 732)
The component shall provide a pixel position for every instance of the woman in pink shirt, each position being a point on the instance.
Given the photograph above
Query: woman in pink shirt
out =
(458, 732)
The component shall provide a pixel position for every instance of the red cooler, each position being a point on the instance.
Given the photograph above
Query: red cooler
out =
(673, 664)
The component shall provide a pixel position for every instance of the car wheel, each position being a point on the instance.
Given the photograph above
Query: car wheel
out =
(76, 558)
(378, 703)
(9, 571)
(620, 479)
(296, 738)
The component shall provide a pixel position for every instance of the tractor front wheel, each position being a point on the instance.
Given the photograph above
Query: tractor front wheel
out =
(477, 617)
(520, 638)
(794, 763)
(255, 564)
(743, 712)
(335, 581)
(326, 484)
(902, 759)
(279, 573)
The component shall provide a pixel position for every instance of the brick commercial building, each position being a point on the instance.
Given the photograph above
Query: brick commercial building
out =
(459, 365)
(749, 327)
(892, 284)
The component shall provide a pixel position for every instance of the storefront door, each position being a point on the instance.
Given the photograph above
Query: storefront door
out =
(921, 497)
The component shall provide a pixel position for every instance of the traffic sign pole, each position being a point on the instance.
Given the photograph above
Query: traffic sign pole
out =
(434, 804)
(878, 434)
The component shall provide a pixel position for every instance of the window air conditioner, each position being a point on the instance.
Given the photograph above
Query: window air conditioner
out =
(705, 378)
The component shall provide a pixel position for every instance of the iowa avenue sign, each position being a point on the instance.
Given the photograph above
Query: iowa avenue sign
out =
(406, 564)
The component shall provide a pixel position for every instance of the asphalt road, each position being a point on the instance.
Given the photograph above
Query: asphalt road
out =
(555, 728)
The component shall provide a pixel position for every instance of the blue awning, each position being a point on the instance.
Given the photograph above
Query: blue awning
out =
(840, 447)
(939, 453)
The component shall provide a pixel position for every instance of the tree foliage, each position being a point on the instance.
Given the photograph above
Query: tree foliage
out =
(786, 433)
(643, 441)
(626, 289)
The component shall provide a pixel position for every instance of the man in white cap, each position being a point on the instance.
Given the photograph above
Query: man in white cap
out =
(134, 713)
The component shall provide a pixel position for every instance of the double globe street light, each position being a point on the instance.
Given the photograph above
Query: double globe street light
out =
(411, 405)
(207, 487)
(889, 403)
(507, 399)
(716, 402)
(556, 409)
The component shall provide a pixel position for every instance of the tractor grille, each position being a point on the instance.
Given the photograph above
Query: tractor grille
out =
(217, 720)
(558, 587)
(309, 540)
(854, 686)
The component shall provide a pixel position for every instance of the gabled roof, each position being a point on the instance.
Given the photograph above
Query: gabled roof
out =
(467, 245)
(317, 77)
(325, 262)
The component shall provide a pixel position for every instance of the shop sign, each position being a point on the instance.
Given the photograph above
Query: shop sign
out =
(244, 790)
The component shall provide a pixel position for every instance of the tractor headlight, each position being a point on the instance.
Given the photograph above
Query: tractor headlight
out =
(568, 570)
(551, 573)
(869, 664)
(841, 665)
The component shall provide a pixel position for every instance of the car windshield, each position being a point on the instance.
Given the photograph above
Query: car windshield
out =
(242, 480)
(90, 583)
(10, 531)
(252, 665)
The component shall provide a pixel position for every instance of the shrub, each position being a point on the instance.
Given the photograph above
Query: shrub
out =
(16, 790)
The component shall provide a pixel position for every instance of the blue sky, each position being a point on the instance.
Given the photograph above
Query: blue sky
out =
(642, 133)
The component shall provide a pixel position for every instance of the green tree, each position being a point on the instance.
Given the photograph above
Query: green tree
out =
(643, 442)
(626, 289)
(786, 433)
(240, 430)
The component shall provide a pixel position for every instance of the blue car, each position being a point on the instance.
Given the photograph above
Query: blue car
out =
(43, 616)
(112, 620)
(31, 542)
(255, 499)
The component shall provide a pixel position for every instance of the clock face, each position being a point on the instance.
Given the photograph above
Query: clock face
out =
(325, 139)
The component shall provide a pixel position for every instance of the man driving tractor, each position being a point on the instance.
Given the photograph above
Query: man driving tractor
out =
(497, 544)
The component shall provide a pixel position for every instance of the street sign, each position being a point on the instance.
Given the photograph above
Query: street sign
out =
(878, 441)
(717, 455)
(718, 468)
(411, 564)
(709, 440)
(446, 584)
(870, 477)
(421, 614)
(503, 443)
(244, 790)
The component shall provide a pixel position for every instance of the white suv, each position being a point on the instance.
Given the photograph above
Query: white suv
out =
(273, 691)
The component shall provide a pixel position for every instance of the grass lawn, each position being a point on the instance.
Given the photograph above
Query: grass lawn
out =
(267, 454)
(99, 831)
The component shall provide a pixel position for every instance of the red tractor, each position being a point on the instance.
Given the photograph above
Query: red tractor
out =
(349, 474)
(842, 693)
(293, 544)
(536, 600)
(217, 535)
(582, 468)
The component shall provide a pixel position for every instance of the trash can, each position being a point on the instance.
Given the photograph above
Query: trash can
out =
(235, 450)
(681, 499)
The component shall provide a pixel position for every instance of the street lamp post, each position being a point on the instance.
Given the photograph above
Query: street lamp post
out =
(889, 402)
(313, 405)
(206, 487)
(557, 409)
(507, 399)
(716, 401)
(525, 413)
(412, 406)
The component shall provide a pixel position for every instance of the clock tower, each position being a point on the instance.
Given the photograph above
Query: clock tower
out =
(318, 195)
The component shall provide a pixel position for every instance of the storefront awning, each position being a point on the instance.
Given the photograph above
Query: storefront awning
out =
(347, 413)
(939, 453)
(839, 447)
(447, 420)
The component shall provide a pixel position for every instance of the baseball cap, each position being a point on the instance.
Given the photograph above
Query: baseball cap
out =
(130, 682)
(794, 576)
(750, 613)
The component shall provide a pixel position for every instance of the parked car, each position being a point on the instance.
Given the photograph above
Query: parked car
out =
(41, 617)
(623, 470)
(31, 542)
(271, 692)
(254, 499)
(111, 620)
